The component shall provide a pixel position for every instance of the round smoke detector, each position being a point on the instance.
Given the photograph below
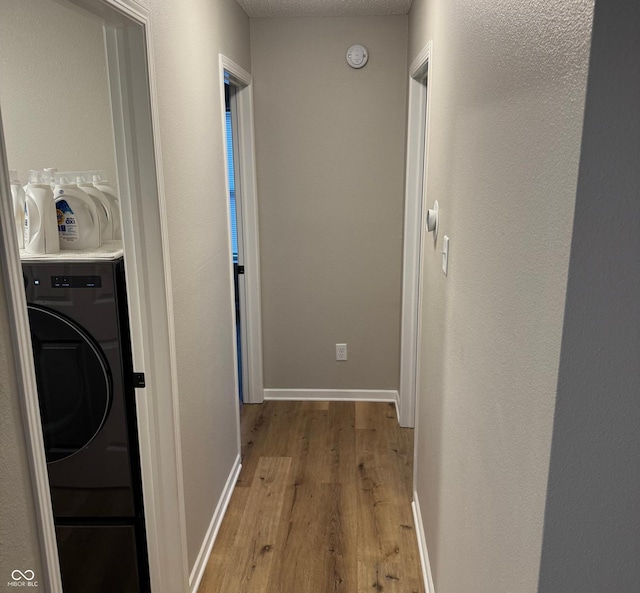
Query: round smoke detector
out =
(357, 56)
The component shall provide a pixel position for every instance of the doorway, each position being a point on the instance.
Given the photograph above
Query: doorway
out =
(131, 99)
(236, 228)
(236, 89)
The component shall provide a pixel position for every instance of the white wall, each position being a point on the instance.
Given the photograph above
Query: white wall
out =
(508, 83)
(187, 37)
(592, 524)
(54, 88)
(330, 157)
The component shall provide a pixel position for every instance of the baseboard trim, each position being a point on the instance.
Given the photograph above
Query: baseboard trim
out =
(333, 395)
(207, 545)
(422, 545)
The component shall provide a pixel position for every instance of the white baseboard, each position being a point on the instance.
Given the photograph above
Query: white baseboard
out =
(335, 395)
(422, 545)
(207, 545)
(332, 395)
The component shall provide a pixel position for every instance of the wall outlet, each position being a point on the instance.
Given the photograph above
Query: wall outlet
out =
(341, 352)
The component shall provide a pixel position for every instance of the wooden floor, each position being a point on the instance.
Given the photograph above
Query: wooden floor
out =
(322, 504)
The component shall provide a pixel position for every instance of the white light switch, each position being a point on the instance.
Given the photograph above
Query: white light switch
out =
(445, 255)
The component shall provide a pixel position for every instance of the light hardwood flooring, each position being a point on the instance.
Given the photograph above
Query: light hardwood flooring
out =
(322, 504)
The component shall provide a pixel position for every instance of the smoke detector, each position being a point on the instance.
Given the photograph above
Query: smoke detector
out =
(357, 56)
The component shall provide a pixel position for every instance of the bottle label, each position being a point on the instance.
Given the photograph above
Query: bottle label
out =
(67, 224)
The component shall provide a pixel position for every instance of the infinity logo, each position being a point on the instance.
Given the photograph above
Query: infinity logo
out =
(27, 575)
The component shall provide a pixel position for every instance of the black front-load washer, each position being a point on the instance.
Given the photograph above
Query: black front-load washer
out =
(82, 352)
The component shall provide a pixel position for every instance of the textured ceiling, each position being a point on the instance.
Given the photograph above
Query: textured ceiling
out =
(284, 8)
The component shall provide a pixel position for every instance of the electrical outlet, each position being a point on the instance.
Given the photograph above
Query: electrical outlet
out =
(341, 352)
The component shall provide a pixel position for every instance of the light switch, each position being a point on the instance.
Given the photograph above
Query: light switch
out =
(445, 255)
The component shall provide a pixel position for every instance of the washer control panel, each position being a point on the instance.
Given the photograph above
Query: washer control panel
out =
(74, 281)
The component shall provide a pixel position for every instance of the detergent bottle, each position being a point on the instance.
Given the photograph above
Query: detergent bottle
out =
(101, 183)
(78, 220)
(105, 214)
(17, 198)
(40, 228)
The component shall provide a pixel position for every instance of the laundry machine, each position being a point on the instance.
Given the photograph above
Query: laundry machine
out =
(82, 352)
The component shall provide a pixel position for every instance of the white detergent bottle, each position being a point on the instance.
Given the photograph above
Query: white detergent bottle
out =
(18, 198)
(101, 183)
(40, 227)
(78, 222)
(105, 215)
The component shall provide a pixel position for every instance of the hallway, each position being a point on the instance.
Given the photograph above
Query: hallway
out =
(323, 503)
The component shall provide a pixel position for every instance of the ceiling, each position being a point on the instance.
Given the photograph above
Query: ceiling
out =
(288, 8)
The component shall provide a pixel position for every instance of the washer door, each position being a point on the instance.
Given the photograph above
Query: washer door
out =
(74, 383)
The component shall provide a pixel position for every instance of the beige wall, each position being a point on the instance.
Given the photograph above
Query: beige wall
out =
(187, 37)
(508, 83)
(54, 89)
(330, 154)
(18, 527)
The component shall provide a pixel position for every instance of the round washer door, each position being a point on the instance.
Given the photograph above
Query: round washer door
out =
(75, 389)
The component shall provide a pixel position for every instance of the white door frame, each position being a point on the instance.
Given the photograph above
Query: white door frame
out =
(242, 365)
(414, 234)
(248, 235)
(145, 239)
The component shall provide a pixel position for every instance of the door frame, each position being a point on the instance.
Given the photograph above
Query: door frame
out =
(145, 240)
(241, 296)
(249, 234)
(420, 73)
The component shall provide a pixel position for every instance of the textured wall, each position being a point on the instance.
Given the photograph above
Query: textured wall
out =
(19, 547)
(330, 157)
(508, 83)
(53, 88)
(592, 521)
(187, 37)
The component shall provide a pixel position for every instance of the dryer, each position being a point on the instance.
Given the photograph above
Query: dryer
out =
(80, 334)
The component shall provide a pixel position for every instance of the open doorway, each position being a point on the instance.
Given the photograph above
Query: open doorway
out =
(235, 216)
(243, 227)
(126, 89)
(68, 226)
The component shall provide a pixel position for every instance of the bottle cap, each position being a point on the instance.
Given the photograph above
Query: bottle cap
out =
(99, 177)
(64, 178)
(84, 177)
(39, 176)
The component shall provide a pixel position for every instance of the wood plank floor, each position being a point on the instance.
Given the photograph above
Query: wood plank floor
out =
(322, 504)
